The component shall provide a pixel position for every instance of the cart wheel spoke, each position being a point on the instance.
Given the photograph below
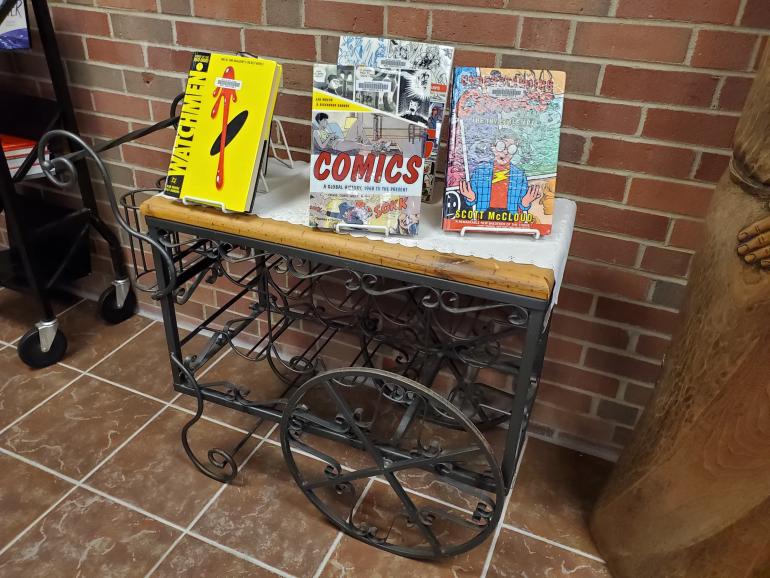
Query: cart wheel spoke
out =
(437, 489)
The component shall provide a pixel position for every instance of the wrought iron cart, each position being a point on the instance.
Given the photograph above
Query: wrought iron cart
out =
(400, 364)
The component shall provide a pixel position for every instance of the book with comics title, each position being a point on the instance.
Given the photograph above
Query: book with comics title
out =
(366, 164)
(14, 28)
(223, 130)
(503, 148)
(402, 77)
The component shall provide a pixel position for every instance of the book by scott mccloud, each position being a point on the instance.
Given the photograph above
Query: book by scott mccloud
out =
(366, 165)
(503, 148)
(402, 77)
(223, 130)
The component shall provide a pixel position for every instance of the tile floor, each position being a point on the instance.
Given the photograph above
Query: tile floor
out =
(94, 481)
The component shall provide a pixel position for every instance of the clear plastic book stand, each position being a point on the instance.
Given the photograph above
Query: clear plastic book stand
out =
(534, 232)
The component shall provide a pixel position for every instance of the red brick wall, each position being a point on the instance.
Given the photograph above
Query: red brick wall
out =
(654, 92)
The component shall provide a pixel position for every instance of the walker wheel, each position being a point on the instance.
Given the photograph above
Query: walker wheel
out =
(108, 306)
(361, 446)
(31, 354)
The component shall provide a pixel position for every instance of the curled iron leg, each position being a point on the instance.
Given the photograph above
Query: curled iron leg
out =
(222, 466)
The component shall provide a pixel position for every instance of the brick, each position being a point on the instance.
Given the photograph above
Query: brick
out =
(711, 167)
(589, 330)
(235, 10)
(582, 77)
(713, 130)
(562, 350)
(571, 147)
(297, 76)
(581, 7)
(622, 436)
(622, 365)
(115, 52)
(601, 248)
(713, 11)
(763, 43)
(623, 221)
(280, 44)
(143, 5)
(145, 157)
(284, 13)
(666, 262)
(687, 234)
(617, 412)
(669, 294)
(293, 105)
(180, 7)
(638, 394)
(606, 280)
(151, 84)
(601, 116)
(97, 125)
(651, 346)
(346, 17)
(71, 46)
(756, 14)
(213, 37)
(121, 105)
(298, 135)
(94, 76)
(147, 29)
(544, 34)
(81, 98)
(408, 22)
(649, 158)
(720, 49)
(330, 46)
(499, 29)
(580, 379)
(691, 200)
(564, 398)
(582, 427)
(590, 184)
(81, 21)
(631, 41)
(650, 318)
(168, 59)
(687, 88)
(474, 3)
(473, 58)
(574, 300)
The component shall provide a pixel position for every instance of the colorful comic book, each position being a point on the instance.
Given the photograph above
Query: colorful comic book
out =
(403, 77)
(14, 28)
(367, 164)
(503, 148)
(223, 130)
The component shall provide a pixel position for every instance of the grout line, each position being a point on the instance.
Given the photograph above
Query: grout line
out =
(340, 534)
(200, 514)
(501, 523)
(553, 543)
(57, 316)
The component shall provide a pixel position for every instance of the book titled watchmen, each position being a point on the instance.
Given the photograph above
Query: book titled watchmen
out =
(223, 130)
(503, 148)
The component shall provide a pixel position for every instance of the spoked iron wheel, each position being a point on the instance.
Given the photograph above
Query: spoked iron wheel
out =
(360, 446)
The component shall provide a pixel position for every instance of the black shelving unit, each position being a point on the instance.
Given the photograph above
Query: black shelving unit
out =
(48, 244)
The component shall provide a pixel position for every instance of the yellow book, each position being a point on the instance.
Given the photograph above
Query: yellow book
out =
(223, 130)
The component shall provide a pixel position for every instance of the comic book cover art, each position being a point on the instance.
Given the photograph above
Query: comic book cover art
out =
(421, 74)
(367, 166)
(503, 148)
(14, 28)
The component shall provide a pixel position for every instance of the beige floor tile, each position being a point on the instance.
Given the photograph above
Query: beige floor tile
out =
(268, 518)
(25, 493)
(87, 535)
(22, 388)
(78, 428)
(196, 559)
(154, 472)
(90, 338)
(554, 492)
(518, 556)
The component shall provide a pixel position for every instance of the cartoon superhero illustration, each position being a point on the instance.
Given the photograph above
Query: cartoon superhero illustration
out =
(499, 184)
(352, 214)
